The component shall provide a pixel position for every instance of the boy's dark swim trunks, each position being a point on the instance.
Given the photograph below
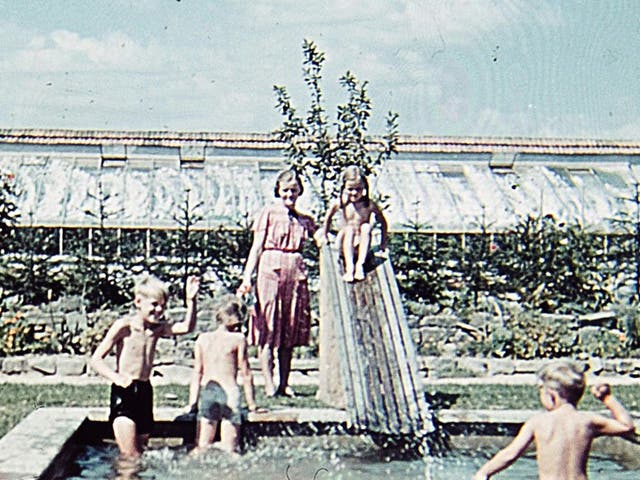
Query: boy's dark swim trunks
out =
(134, 402)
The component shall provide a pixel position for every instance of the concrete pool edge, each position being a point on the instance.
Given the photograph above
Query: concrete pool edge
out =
(43, 443)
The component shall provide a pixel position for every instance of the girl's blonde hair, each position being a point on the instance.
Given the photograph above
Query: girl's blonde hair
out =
(149, 286)
(352, 173)
(565, 377)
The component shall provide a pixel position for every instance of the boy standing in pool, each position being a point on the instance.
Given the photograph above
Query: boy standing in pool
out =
(134, 338)
(218, 357)
(562, 434)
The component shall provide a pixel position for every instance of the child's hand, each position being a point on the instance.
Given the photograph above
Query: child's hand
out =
(256, 409)
(190, 409)
(320, 238)
(193, 285)
(243, 289)
(123, 380)
(601, 391)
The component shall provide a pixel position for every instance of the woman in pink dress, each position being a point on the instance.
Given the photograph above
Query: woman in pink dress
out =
(282, 318)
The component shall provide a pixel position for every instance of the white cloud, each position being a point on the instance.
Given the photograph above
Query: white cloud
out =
(63, 50)
(454, 21)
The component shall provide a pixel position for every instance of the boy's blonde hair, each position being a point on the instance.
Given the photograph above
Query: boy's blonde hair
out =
(230, 310)
(150, 286)
(565, 377)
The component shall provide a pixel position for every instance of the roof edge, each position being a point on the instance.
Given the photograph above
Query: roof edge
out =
(269, 141)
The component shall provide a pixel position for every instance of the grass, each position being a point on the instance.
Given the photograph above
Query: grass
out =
(518, 397)
(18, 400)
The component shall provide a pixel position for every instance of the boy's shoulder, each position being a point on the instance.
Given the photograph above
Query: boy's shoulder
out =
(125, 321)
(205, 336)
(538, 419)
(220, 336)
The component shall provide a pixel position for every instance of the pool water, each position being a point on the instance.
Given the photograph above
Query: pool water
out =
(314, 458)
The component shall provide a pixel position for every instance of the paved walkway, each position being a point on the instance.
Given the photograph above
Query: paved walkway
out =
(303, 373)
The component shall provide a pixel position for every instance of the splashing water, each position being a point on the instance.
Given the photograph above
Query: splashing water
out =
(334, 457)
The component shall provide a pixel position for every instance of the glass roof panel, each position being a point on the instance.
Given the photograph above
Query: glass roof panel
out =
(441, 191)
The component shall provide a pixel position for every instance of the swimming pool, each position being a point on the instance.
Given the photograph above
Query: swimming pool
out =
(327, 457)
(74, 443)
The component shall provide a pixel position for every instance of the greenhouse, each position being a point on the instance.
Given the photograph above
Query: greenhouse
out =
(138, 180)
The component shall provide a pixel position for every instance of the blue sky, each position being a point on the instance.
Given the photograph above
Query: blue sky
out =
(529, 68)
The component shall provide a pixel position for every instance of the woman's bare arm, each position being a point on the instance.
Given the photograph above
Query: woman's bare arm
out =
(252, 261)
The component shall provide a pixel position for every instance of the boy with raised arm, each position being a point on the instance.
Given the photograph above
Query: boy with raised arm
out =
(214, 390)
(562, 434)
(135, 337)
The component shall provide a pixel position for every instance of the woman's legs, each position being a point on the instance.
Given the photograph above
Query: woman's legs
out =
(284, 368)
(266, 365)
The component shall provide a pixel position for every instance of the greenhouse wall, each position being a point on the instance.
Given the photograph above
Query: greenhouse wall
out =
(139, 180)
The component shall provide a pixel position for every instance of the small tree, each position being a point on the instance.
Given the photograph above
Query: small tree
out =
(33, 266)
(553, 266)
(101, 284)
(315, 149)
(625, 251)
(8, 218)
(183, 242)
(8, 207)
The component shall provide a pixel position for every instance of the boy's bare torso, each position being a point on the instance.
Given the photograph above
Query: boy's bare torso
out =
(220, 357)
(136, 347)
(563, 439)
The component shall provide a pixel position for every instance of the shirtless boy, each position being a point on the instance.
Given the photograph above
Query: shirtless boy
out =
(355, 233)
(562, 434)
(218, 357)
(134, 338)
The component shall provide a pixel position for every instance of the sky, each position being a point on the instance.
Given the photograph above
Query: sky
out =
(494, 68)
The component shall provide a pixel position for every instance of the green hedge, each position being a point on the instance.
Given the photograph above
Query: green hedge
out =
(543, 266)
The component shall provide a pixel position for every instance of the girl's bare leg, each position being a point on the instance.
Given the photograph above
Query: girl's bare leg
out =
(348, 252)
(363, 249)
(266, 364)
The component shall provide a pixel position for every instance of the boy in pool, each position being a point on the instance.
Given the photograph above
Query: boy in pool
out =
(134, 338)
(218, 357)
(562, 434)
(354, 237)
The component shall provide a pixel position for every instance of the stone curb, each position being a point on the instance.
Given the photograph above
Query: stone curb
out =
(75, 369)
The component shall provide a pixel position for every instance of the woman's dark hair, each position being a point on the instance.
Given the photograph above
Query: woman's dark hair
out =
(287, 176)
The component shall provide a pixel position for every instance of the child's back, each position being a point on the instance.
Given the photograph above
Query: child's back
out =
(220, 355)
(218, 358)
(563, 439)
(562, 434)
